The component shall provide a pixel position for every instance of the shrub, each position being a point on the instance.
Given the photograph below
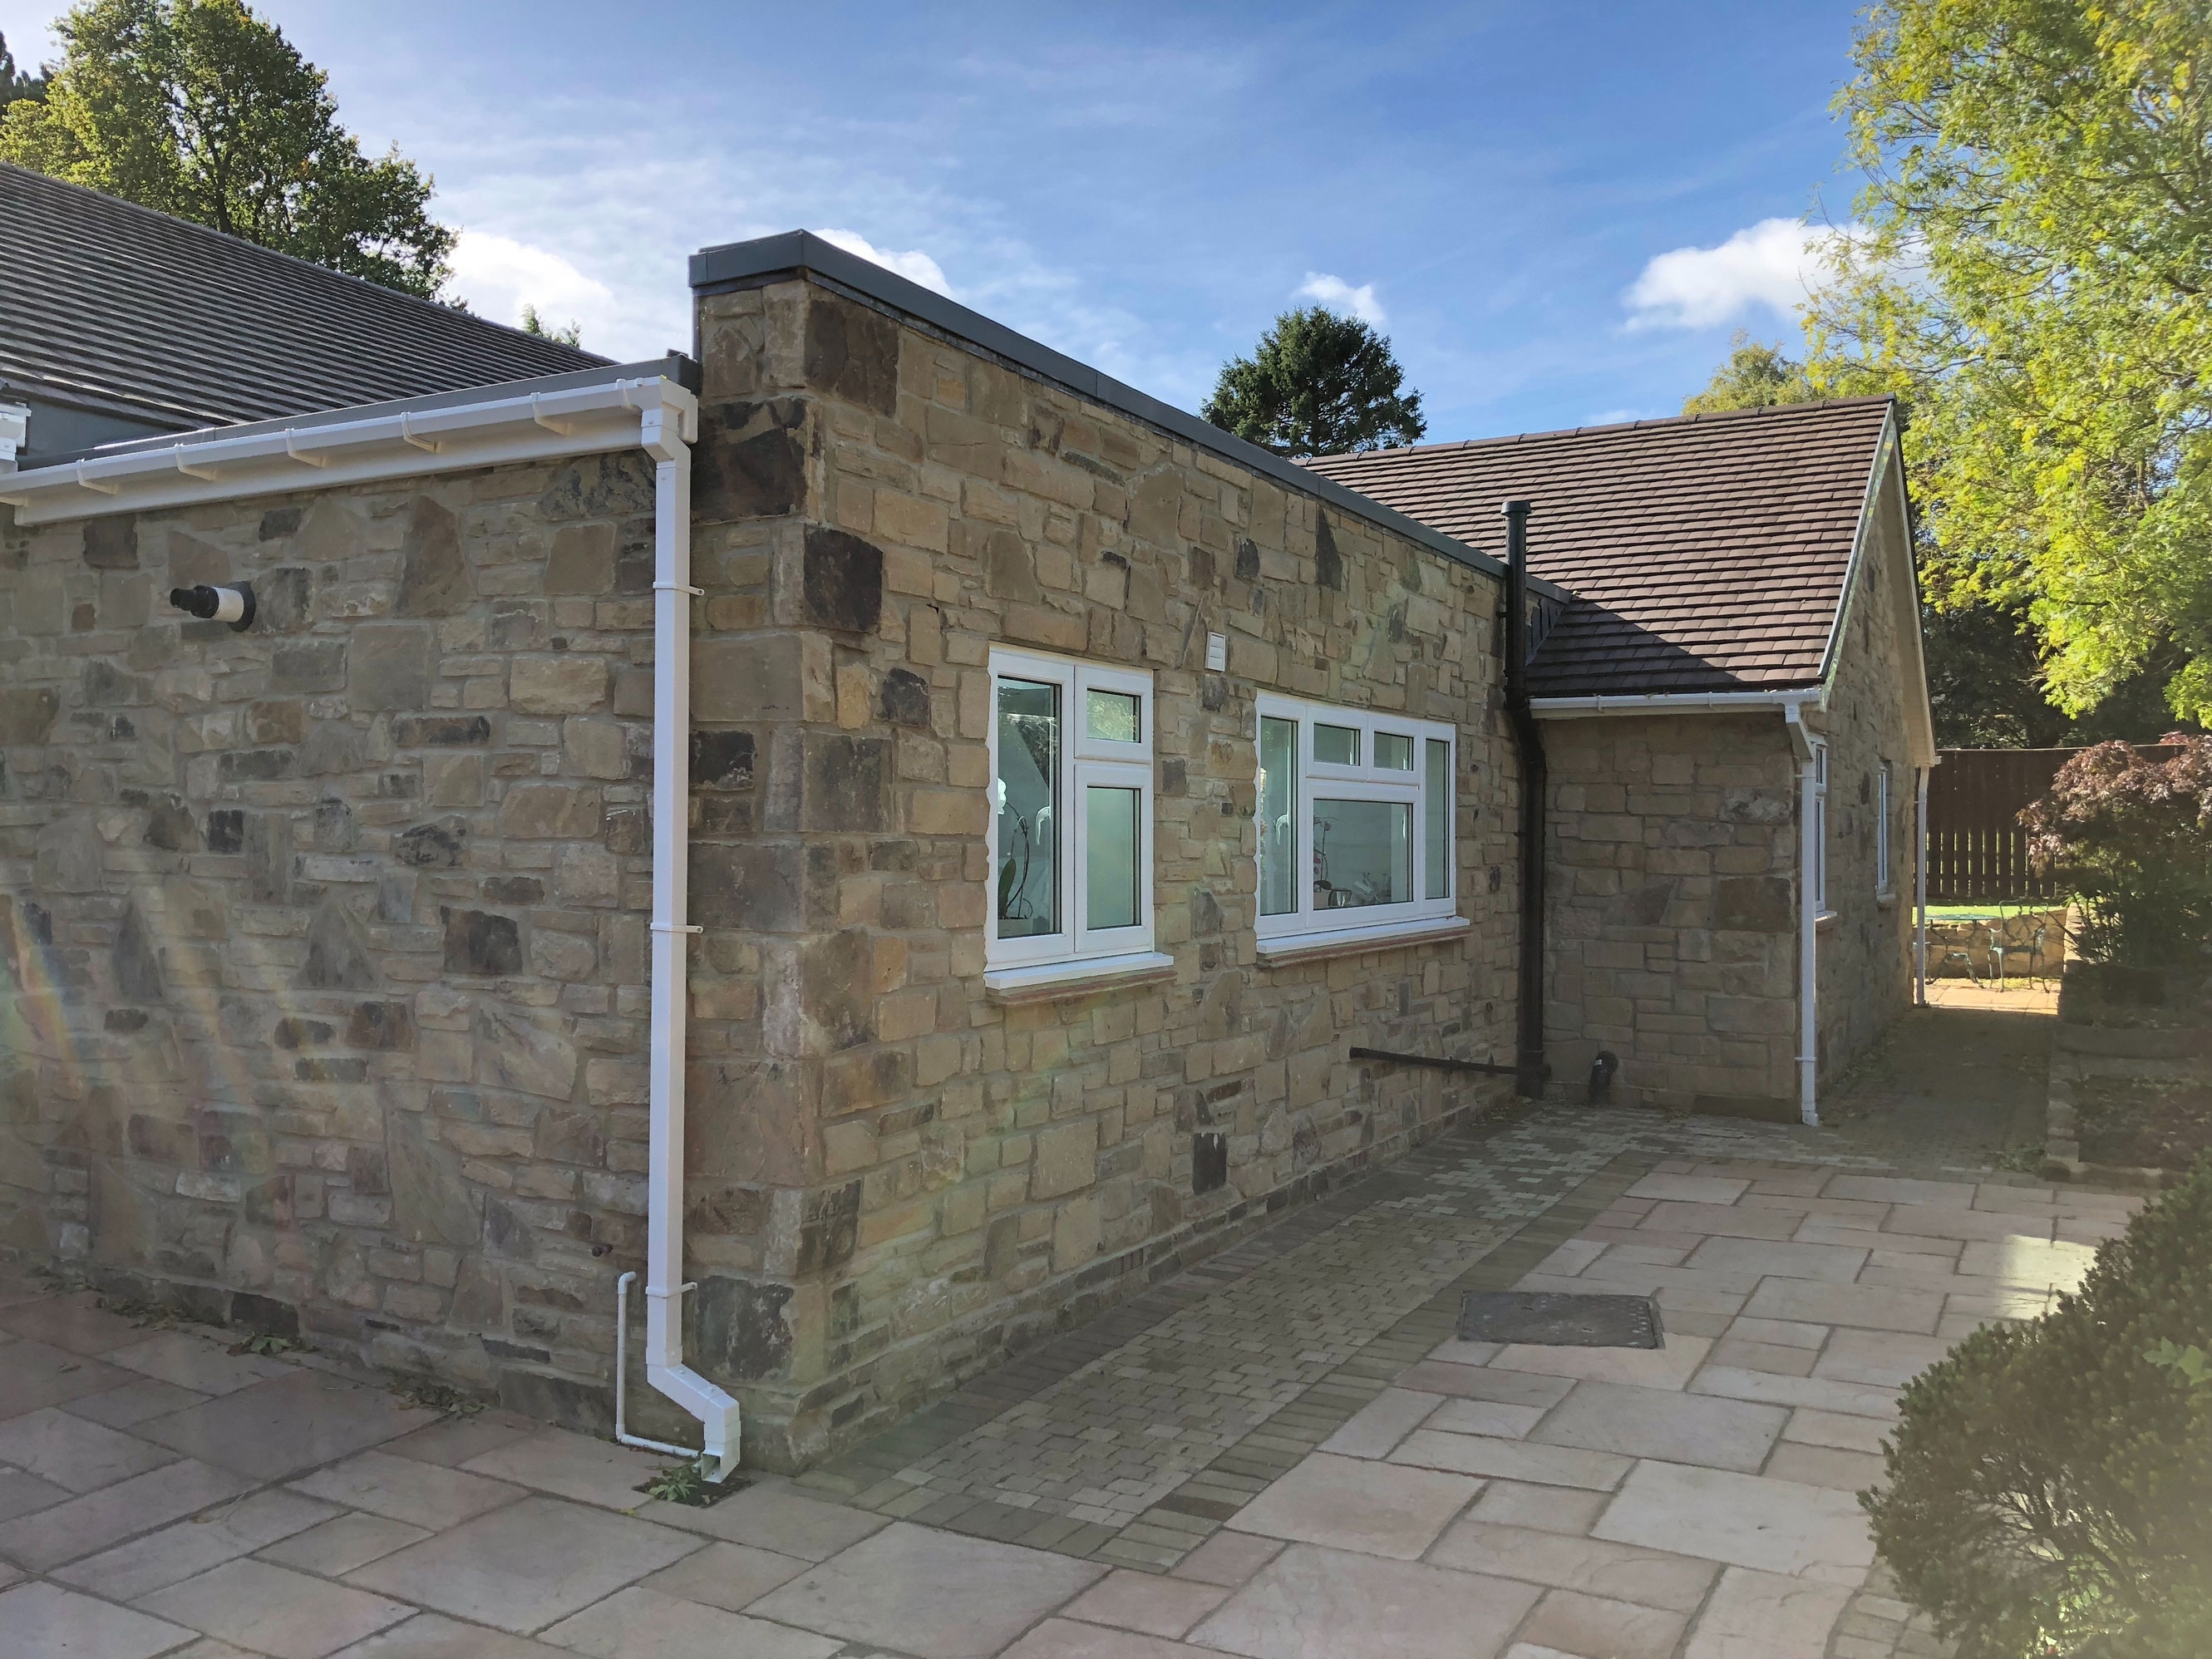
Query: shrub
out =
(2132, 833)
(2050, 1485)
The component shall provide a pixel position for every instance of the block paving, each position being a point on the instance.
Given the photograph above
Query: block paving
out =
(1284, 1451)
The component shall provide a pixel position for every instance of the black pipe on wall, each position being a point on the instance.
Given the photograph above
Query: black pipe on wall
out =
(1531, 1070)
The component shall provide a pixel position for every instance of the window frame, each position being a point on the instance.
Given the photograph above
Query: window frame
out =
(1085, 762)
(1306, 927)
(1881, 833)
(1820, 872)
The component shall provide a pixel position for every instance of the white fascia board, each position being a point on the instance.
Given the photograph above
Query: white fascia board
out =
(320, 451)
(1673, 702)
(1884, 449)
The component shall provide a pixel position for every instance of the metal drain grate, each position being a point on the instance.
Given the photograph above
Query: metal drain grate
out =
(1558, 1320)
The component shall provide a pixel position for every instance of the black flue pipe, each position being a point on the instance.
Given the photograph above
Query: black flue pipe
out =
(1531, 1070)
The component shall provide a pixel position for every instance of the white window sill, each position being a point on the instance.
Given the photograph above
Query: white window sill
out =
(1825, 920)
(1886, 900)
(1047, 982)
(1286, 950)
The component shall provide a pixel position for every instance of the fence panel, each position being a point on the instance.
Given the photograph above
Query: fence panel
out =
(1977, 849)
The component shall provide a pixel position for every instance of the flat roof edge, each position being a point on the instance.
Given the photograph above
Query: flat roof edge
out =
(742, 265)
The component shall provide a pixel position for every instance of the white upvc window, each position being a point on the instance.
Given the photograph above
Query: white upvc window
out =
(1820, 871)
(1071, 825)
(1881, 831)
(1355, 814)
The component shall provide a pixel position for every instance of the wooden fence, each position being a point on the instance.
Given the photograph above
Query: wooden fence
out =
(1977, 849)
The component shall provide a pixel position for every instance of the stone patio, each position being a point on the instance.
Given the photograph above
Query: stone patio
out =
(1284, 1454)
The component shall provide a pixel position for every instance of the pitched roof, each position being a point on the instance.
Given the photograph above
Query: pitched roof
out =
(125, 306)
(1706, 553)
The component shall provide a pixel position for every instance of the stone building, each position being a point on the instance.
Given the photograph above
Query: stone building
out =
(872, 826)
(1735, 694)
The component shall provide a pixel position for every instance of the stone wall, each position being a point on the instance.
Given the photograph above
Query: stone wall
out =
(1672, 940)
(324, 996)
(896, 1180)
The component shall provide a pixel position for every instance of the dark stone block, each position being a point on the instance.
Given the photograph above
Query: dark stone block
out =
(1209, 1161)
(392, 665)
(111, 543)
(441, 730)
(330, 1071)
(279, 522)
(1329, 563)
(380, 1025)
(137, 970)
(848, 783)
(433, 576)
(904, 699)
(506, 1233)
(308, 665)
(571, 1137)
(256, 765)
(727, 1212)
(836, 1002)
(513, 890)
(367, 1171)
(480, 943)
(333, 750)
(284, 600)
(160, 1141)
(26, 716)
(550, 1397)
(630, 830)
(169, 824)
(1247, 560)
(106, 686)
(431, 1203)
(828, 1225)
(338, 955)
(263, 1315)
(599, 487)
(333, 826)
(1010, 570)
(1204, 913)
(299, 1031)
(851, 352)
(1175, 776)
(1646, 907)
(1752, 905)
(749, 461)
(269, 1203)
(756, 888)
(432, 846)
(124, 1021)
(843, 580)
(722, 759)
(742, 1330)
(225, 830)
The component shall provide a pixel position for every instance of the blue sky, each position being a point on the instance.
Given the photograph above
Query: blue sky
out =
(1558, 212)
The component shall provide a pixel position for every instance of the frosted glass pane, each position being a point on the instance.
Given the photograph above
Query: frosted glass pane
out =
(1111, 716)
(1436, 820)
(1394, 752)
(1278, 816)
(1110, 874)
(1363, 853)
(1336, 745)
(1028, 789)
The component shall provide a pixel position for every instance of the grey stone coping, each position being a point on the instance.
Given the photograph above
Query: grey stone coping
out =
(735, 265)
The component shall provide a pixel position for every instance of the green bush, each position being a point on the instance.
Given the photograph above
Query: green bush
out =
(2050, 1487)
(2130, 831)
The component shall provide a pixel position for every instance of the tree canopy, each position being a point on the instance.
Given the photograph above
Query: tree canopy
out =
(16, 84)
(2035, 276)
(201, 109)
(1755, 376)
(1317, 384)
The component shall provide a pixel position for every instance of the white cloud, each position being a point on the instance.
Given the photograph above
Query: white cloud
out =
(914, 265)
(498, 276)
(1776, 263)
(1340, 296)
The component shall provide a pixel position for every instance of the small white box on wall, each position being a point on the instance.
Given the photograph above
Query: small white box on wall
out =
(1217, 652)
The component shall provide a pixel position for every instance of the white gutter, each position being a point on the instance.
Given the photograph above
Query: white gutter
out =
(1674, 703)
(1809, 920)
(653, 414)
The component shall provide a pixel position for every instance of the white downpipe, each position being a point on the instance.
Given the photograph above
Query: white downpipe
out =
(662, 438)
(1920, 896)
(1808, 921)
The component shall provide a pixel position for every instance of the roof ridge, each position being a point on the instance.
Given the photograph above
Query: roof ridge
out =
(1809, 407)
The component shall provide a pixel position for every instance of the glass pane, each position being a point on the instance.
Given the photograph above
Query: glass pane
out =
(1278, 816)
(1109, 874)
(1111, 716)
(1394, 753)
(1437, 813)
(1336, 745)
(1028, 790)
(1363, 853)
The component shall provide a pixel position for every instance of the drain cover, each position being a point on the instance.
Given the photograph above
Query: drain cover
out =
(1557, 1320)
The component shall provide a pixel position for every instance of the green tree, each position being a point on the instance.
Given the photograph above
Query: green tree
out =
(201, 109)
(570, 333)
(13, 84)
(1755, 376)
(2035, 276)
(1317, 384)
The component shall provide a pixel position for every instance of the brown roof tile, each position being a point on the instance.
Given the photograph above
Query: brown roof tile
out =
(1706, 553)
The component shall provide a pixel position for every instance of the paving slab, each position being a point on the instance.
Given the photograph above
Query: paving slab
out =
(186, 1359)
(1547, 1509)
(21, 1493)
(402, 1489)
(433, 1636)
(572, 1466)
(1512, 1460)
(1894, 1189)
(85, 1525)
(933, 1594)
(1482, 1382)
(1820, 1392)
(81, 1456)
(1888, 1359)
(1383, 1510)
(1679, 1428)
(640, 1624)
(34, 1375)
(133, 1402)
(44, 1621)
(1781, 1259)
(526, 1565)
(185, 1549)
(1489, 1417)
(76, 1323)
(277, 1428)
(339, 1544)
(452, 1441)
(1146, 1602)
(1762, 1615)
(1311, 1601)
(773, 1515)
(1383, 1422)
(1623, 1573)
(1745, 1520)
(1824, 1465)
(1668, 1367)
(728, 1576)
(1880, 1308)
(1066, 1638)
(1691, 1189)
(1574, 1621)
(274, 1610)
(1228, 1558)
